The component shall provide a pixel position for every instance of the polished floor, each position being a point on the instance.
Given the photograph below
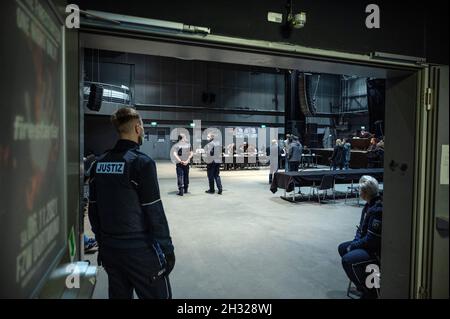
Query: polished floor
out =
(250, 243)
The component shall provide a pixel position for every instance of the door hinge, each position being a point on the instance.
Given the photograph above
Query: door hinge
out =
(428, 99)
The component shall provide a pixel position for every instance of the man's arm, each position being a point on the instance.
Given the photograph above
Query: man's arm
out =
(152, 208)
(372, 239)
(191, 153)
(175, 154)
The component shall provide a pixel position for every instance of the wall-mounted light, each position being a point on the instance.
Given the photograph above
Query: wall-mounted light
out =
(298, 20)
(153, 123)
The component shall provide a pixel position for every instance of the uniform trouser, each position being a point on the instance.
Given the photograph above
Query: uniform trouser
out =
(182, 176)
(213, 171)
(354, 263)
(293, 166)
(273, 168)
(132, 269)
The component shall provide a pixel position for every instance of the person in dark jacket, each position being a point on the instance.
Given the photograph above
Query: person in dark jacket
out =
(213, 159)
(294, 154)
(365, 248)
(337, 159)
(182, 152)
(127, 216)
(375, 156)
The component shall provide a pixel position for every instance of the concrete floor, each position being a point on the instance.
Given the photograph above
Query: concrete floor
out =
(248, 242)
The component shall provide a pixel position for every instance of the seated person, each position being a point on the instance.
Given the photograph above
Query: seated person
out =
(373, 144)
(231, 149)
(252, 149)
(375, 154)
(244, 148)
(365, 248)
(306, 160)
(364, 134)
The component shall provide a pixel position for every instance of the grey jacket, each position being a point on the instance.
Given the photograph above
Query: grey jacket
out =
(295, 152)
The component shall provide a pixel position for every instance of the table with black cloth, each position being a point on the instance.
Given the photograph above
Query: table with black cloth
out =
(358, 159)
(289, 180)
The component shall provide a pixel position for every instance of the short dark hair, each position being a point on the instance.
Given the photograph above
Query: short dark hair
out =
(122, 117)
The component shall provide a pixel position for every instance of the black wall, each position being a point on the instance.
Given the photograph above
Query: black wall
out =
(168, 81)
(408, 28)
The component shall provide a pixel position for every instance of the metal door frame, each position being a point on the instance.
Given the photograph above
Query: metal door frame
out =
(90, 32)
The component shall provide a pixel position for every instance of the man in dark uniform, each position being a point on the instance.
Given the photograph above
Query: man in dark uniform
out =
(294, 154)
(127, 216)
(213, 160)
(183, 154)
(365, 248)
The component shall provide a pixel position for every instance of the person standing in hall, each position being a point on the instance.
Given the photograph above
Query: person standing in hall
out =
(294, 154)
(127, 216)
(286, 143)
(347, 153)
(275, 154)
(213, 160)
(337, 159)
(183, 154)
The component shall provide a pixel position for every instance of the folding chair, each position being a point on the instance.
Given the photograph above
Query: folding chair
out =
(353, 293)
(326, 184)
(352, 189)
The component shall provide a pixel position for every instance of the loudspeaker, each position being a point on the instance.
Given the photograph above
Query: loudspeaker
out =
(95, 98)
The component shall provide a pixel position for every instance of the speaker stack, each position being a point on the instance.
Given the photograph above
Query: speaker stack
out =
(95, 98)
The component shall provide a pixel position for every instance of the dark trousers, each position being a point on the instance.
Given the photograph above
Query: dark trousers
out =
(336, 165)
(346, 165)
(213, 171)
(133, 269)
(293, 166)
(182, 176)
(354, 263)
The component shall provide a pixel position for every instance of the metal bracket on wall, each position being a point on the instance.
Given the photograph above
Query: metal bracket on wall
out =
(428, 99)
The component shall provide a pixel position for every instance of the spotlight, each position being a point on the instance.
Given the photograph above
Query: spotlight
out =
(297, 21)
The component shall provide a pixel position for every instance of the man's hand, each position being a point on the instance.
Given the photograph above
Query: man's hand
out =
(170, 263)
(99, 258)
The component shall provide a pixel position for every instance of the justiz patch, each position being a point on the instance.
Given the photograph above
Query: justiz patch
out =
(110, 168)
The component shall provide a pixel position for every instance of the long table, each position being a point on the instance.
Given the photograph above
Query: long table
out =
(288, 181)
(244, 160)
(358, 159)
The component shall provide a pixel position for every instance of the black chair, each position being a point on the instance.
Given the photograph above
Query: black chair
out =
(326, 184)
(353, 293)
(352, 190)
